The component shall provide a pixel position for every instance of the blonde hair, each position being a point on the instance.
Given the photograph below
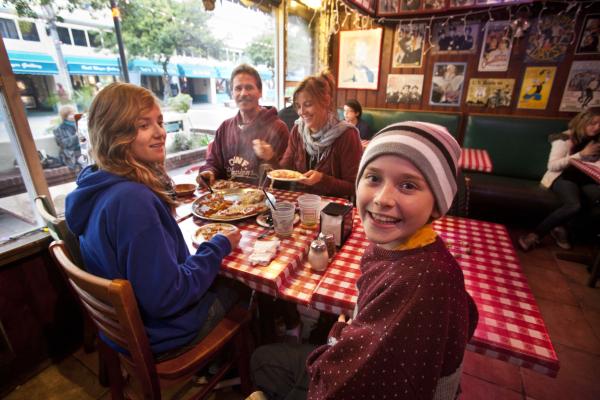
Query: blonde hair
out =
(320, 87)
(65, 111)
(578, 124)
(112, 129)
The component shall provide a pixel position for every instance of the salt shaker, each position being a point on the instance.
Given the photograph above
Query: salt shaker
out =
(318, 256)
(329, 240)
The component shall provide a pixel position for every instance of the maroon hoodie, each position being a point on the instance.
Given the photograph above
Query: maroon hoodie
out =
(231, 152)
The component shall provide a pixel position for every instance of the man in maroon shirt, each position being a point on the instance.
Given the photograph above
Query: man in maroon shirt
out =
(253, 137)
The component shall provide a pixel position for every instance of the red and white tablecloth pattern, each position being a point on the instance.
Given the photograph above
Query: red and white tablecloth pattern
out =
(475, 160)
(510, 325)
(590, 169)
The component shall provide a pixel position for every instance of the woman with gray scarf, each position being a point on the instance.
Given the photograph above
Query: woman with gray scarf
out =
(327, 151)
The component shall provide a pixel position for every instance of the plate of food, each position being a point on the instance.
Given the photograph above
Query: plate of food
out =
(230, 204)
(185, 189)
(285, 175)
(225, 184)
(206, 232)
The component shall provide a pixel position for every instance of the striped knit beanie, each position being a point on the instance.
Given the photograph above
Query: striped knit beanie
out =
(430, 147)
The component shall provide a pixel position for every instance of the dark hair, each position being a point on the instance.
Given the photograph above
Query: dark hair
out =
(247, 69)
(355, 105)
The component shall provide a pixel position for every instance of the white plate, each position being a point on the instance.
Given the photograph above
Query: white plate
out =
(206, 232)
(232, 195)
(273, 175)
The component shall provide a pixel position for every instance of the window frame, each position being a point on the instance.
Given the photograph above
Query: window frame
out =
(68, 32)
(14, 25)
(33, 25)
(84, 37)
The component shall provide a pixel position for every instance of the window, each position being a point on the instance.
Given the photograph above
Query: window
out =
(29, 31)
(8, 28)
(95, 39)
(79, 37)
(299, 49)
(63, 35)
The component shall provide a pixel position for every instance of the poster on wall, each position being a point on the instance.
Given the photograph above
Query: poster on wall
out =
(408, 46)
(387, 7)
(583, 86)
(536, 86)
(550, 38)
(410, 5)
(496, 47)
(359, 59)
(433, 4)
(447, 83)
(490, 92)
(589, 39)
(460, 3)
(404, 88)
(455, 38)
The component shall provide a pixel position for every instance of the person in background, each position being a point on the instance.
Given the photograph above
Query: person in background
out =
(325, 149)
(352, 114)
(66, 138)
(413, 316)
(574, 188)
(254, 136)
(122, 214)
(288, 114)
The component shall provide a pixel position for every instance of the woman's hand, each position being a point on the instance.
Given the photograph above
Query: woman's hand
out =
(205, 176)
(342, 318)
(592, 149)
(262, 149)
(311, 177)
(234, 237)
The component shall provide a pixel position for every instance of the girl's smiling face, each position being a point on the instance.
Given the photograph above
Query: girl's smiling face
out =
(149, 144)
(394, 201)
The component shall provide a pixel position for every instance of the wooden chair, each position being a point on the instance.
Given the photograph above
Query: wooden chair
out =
(113, 307)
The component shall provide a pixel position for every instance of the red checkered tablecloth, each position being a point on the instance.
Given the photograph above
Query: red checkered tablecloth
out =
(590, 169)
(475, 160)
(510, 325)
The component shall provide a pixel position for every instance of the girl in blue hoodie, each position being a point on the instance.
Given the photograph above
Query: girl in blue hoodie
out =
(122, 213)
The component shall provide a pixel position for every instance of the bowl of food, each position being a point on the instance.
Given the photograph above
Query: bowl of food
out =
(185, 189)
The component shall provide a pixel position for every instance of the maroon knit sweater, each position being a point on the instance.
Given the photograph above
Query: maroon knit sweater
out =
(231, 152)
(339, 167)
(412, 328)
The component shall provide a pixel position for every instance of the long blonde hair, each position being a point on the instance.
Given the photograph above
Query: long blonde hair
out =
(580, 122)
(112, 129)
(320, 87)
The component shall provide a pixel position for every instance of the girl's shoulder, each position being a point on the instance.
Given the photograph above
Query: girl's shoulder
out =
(562, 136)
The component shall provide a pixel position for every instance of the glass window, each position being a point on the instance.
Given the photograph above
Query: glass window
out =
(8, 28)
(95, 39)
(63, 35)
(299, 49)
(29, 31)
(79, 37)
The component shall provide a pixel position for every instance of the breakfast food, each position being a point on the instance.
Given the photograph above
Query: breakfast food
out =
(223, 184)
(285, 174)
(230, 204)
(207, 231)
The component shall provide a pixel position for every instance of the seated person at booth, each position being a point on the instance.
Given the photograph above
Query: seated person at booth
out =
(254, 136)
(122, 213)
(352, 114)
(413, 316)
(575, 189)
(325, 149)
(66, 138)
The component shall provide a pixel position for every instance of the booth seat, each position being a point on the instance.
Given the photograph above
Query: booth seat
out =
(518, 148)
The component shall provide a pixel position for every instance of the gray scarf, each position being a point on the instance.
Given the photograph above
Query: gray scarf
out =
(318, 144)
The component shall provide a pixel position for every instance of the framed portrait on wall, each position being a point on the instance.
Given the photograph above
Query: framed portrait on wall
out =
(404, 89)
(410, 5)
(589, 38)
(583, 87)
(460, 3)
(549, 39)
(359, 55)
(455, 38)
(367, 5)
(388, 7)
(536, 87)
(496, 47)
(490, 92)
(447, 83)
(432, 5)
(409, 40)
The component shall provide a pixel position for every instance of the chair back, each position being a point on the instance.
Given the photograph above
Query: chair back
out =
(58, 228)
(113, 308)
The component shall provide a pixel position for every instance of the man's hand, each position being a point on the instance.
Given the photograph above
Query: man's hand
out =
(263, 150)
(234, 237)
(205, 176)
(311, 177)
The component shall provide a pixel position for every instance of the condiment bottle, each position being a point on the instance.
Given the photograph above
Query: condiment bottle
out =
(318, 256)
(329, 240)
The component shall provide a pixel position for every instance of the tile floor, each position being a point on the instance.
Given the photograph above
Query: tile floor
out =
(570, 309)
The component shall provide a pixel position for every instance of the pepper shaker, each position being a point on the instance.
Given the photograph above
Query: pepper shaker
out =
(318, 256)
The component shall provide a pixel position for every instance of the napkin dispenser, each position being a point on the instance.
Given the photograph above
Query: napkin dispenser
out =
(336, 219)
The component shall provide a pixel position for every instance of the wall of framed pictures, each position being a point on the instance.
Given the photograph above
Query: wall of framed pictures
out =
(547, 64)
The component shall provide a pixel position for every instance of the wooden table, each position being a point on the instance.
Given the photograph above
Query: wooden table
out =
(475, 160)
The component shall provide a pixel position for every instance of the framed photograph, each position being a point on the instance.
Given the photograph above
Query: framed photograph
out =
(432, 5)
(549, 39)
(481, 2)
(536, 86)
(367, 5)
(408, 46)
(447, 83)
(589, 39)
(460, 3)
(496, 47)
(455, 38)
(583, 87)
(490, 92)
(388, 7)
(410, 5)
(359, 55)
(404, 88)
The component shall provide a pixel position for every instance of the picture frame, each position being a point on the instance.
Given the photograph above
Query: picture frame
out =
(455, 38)
(460, 3)
(410, 5)
(447, 83)
(490, 93)
(582, 89)
(404, 89)
(549, 39)
(408, 46)
(496, 47)
(536, 87)
(388, 7)
(359, 59)
(589, 37)
(434, 5)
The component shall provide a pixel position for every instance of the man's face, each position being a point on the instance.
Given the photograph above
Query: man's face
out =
(245, 92)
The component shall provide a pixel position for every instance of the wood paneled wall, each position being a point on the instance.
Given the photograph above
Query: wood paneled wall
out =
(517, 66)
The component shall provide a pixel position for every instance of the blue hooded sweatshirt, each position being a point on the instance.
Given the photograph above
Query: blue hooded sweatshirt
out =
(127, 232)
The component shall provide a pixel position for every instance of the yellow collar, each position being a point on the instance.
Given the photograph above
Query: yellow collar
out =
(424, 236)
